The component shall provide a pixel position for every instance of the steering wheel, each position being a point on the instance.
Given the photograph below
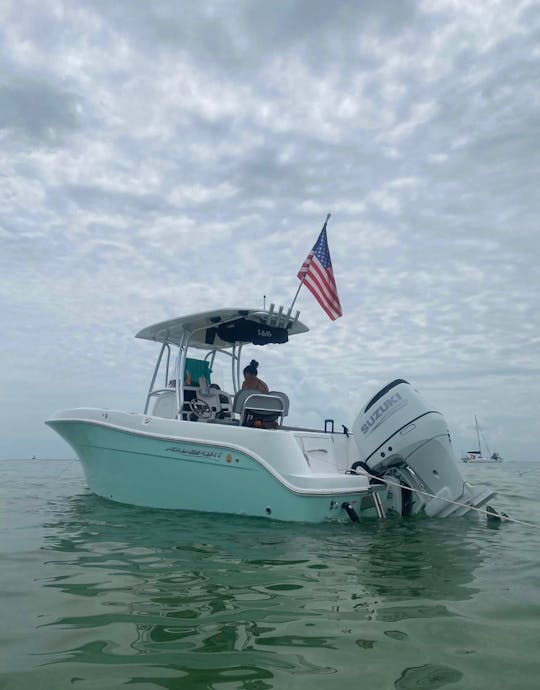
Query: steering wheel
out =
(200, 408)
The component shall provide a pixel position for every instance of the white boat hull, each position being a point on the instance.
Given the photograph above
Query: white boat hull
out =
(162, 463)
(480, 460)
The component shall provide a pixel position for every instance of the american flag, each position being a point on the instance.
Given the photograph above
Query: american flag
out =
(317, 275)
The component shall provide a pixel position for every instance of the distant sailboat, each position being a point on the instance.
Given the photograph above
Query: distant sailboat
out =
(475, 456)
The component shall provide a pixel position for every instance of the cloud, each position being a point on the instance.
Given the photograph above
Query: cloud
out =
(39, 111)
(156, 162)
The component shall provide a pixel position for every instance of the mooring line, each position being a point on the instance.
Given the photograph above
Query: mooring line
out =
(535, 469)
(501, 517)
(65, 469)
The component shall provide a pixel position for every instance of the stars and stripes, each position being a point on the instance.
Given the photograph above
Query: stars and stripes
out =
(317, 275)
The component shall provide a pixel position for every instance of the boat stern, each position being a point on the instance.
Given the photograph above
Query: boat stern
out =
(407, 443)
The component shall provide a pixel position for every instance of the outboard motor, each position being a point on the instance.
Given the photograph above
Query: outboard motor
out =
(403, 439)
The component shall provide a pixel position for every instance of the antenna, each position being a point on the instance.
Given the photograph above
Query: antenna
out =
(264, 301)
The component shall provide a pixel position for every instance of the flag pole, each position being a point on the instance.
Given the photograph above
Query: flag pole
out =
(302, 281)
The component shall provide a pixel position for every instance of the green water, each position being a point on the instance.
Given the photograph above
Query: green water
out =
(99, 595)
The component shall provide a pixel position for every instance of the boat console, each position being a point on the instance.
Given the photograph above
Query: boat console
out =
(201, 403)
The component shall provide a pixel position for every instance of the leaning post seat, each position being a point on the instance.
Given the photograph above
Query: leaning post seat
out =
(285, 399)
(251, 405)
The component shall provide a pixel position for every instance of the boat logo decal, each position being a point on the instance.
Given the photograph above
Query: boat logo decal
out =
(383, 412)
(196, 452)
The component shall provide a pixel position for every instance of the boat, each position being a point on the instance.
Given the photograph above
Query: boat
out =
(201, 446)
(477, 456)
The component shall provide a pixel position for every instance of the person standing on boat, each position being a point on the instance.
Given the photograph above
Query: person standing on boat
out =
(251, 380)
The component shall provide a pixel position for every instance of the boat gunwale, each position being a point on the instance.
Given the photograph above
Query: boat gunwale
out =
(228, 445)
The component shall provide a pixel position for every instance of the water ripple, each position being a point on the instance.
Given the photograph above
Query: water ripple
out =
(100, 594)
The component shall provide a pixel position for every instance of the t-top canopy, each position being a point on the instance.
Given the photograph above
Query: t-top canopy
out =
(221, 328)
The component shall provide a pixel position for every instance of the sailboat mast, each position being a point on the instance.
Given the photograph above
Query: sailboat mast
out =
(478, 436)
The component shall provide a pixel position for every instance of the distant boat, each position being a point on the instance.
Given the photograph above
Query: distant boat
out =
(476, 456)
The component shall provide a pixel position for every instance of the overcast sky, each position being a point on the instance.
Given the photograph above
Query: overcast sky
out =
(161, 158)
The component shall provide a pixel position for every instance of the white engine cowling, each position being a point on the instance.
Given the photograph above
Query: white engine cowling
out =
(403, 439)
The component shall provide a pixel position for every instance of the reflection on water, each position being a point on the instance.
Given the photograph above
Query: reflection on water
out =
(161, 599)
(427, 676)
(217, 599)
